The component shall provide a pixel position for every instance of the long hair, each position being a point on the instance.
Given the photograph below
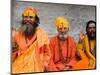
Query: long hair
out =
(37, 20)
(87, 32)
(89, 22)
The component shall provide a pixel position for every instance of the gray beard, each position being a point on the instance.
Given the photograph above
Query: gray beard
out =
(28, 30)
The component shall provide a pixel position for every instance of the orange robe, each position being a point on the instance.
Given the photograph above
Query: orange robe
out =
(87, 57)
(68, 51)
(81, 64)
(33, 58)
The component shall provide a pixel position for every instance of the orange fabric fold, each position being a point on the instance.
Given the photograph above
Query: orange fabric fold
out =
(86, 55)
(32, 57)
(55, 63)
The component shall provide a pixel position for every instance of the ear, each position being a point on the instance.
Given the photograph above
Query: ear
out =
(37, 19)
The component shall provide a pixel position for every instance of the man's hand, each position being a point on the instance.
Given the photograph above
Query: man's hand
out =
(68, 67)
(81, 36)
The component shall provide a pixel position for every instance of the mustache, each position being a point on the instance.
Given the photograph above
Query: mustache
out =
(27, 22)
(92, 33)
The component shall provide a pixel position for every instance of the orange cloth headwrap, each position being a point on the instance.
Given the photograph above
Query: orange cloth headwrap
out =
(29, 11)
(61, 22)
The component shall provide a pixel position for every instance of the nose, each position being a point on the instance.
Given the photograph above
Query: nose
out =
(62, 29)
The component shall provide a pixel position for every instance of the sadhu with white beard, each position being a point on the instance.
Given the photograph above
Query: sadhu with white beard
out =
(32, 53)
(63, 47)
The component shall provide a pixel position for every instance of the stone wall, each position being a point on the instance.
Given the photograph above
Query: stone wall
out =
(78, 15)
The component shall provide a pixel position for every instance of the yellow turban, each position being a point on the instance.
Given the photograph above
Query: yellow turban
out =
(29, 11)
(61, 22)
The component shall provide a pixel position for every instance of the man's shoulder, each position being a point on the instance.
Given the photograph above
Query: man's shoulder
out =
(53, 37)
(53, 40)
(70, 37)
(85, 37)
(40, 30)
(18, 33)
(40, 33)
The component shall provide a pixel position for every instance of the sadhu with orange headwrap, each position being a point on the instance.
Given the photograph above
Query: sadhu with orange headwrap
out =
(63, 47)
(32, 53)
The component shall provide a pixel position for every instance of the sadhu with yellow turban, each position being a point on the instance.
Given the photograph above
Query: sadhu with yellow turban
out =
(61, 22)
(32, 53)
(63, 47)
